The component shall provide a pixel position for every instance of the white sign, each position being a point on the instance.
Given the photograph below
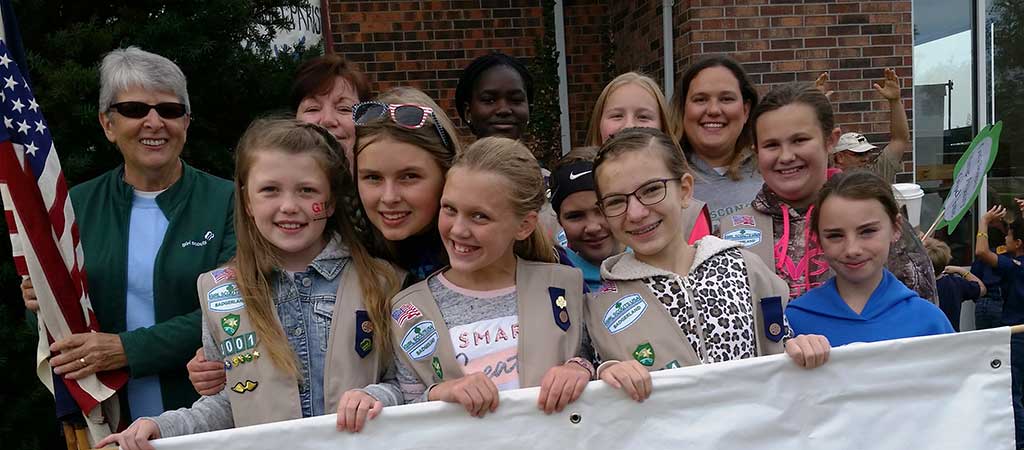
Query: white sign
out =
(306, 28)
(968, 174)
(938, 392)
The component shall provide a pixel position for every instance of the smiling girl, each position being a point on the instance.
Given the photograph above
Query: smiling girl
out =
(794, 129)
(634, 100)
(299, 317)
(630, 100)
(671, 304)
(405, 146)
(460, 334)
(856, 220)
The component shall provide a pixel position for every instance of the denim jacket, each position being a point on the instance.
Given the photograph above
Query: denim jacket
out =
(305, 304)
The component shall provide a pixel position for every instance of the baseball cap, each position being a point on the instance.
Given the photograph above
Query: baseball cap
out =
(854, 142)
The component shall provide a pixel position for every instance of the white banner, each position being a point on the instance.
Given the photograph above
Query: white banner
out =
(939, 392)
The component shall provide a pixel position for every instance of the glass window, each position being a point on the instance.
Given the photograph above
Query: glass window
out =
(944, 119)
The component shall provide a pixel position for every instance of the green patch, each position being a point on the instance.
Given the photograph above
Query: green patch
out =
(673, 365)
(436, 364)
(229, 323)
(644, 354)
(366, 344)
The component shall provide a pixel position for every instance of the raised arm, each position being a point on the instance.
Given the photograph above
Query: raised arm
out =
(981, 248)
(899, 127)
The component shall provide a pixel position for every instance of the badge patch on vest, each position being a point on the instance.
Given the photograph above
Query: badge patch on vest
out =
(229, 323)
(222, 275)
(242, 359)
(673, 365)
(749, 237)
(225, 298)
(771, 313)
(405, 313)
(238, 344)
(248, 386)
(608, 286)
(436, 364)
(420, 341)
(743, 220)
(624, 312)
(558, 304)
(364, 334)
(644, 354)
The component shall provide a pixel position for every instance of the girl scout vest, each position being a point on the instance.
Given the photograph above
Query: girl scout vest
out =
(753, 229)
(258, 391)
(626, 321)
(550, 307)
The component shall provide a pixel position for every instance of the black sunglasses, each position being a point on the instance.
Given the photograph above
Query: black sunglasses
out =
(138, 110)
(407, 115)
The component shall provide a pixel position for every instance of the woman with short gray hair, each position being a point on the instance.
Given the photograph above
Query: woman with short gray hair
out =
(148, 228)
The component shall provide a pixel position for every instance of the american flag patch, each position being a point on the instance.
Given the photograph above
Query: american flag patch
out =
(222, 275)
(405, 313)
(741, 220)
(609, 286)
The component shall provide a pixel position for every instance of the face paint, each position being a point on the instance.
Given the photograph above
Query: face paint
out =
(320, 211)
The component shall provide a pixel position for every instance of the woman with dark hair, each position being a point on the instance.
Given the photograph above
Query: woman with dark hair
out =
(493, 96)
(709, 113)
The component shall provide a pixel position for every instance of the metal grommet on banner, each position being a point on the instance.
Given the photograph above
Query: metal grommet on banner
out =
(996, 363)
(575, 418)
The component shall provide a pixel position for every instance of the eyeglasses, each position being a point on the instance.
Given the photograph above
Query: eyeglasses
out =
(407, 115)
(138, 110)
(650, 193)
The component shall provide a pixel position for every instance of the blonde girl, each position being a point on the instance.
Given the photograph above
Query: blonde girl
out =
(634, 100)
(399, 172)
(630, 100)
(669, 303)
(401, 161)
(299, 316)
(459, 335)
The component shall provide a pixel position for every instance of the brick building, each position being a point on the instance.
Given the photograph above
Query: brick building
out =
(426, 44)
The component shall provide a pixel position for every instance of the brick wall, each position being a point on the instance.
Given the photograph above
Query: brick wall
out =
(425, 44)
(586, 49)
(637, 31)
(779, 41)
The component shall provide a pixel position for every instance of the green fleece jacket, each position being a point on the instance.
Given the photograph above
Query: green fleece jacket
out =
(200, 236)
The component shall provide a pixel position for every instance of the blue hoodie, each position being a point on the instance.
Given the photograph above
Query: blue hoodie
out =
(892, 312)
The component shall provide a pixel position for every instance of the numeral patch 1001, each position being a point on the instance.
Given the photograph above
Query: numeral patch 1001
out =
(238, 344)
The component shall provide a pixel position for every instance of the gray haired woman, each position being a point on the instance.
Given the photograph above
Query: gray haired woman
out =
(148, 228)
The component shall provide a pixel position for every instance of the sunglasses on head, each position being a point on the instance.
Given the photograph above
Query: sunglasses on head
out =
(138, 110)
(406, 115)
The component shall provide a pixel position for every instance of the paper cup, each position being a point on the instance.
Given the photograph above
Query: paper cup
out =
(909, 194)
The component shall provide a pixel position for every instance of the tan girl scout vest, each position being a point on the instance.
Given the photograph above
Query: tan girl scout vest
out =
(550, 307)
(258, 391)
(626, 321)
(753, 229)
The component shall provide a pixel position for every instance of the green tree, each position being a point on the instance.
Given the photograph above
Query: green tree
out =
(223, 48)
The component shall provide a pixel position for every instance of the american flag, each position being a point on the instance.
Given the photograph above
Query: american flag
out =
(41, 222)
(405, 313)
